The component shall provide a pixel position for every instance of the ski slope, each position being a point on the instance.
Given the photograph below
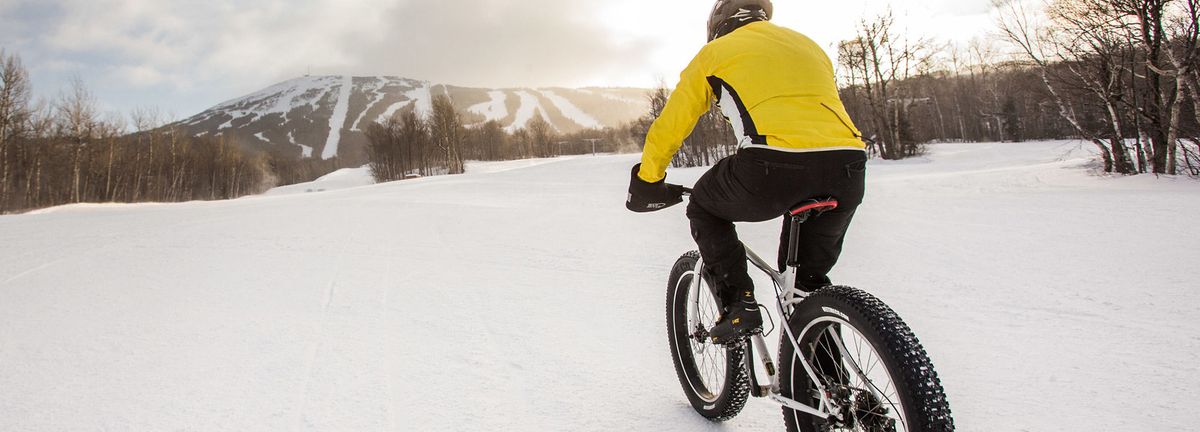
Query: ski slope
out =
(338, 120)
(529, 107)
(494, 109)
(571, 111)
(525, 297)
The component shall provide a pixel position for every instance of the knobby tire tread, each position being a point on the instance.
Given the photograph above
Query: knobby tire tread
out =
(737, 387)
(926, 403)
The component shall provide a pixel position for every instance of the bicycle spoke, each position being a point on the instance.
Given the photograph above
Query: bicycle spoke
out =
(883, 397)
(709, 359)
(830, 348)
(858, 374)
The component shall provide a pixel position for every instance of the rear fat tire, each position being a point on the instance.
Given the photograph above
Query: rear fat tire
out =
(736, 386)
(917, 384)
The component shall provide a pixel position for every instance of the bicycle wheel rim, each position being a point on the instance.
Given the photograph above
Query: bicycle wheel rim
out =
(844, 359)
(709, 361)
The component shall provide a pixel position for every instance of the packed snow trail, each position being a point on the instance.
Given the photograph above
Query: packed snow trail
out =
(530, 299)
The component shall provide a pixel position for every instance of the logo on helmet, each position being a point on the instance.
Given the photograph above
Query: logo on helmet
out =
(729, 15)
(744, 15)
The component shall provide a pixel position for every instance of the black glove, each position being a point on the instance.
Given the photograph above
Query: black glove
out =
(648, 197)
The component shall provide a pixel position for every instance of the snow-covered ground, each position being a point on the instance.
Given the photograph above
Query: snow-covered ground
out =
(355, 177)
(527, 298)
(341, 179)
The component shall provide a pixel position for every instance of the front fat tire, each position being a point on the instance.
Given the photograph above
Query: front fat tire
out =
(736, 386)
(911, 371)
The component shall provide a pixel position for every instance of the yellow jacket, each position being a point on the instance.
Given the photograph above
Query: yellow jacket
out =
(776, 87)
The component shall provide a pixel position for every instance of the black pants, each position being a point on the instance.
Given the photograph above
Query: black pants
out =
(757, 185)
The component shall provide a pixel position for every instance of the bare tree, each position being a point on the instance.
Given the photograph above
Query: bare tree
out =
(711, 140)
(400, 148)
(875, 61)
(541, 137)
(1129, 59)
(446, 130)
(78, 122)
(658, 101)
(1145, 23)
(1048, 47)
(385, 150)
(15, 96)
(1179, 24)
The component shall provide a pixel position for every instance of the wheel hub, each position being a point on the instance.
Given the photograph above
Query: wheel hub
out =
(871, 414)
(858, 409)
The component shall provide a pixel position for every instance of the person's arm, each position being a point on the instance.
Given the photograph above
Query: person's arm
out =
(690, 100)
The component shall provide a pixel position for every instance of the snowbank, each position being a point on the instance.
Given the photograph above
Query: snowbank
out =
(341, 179)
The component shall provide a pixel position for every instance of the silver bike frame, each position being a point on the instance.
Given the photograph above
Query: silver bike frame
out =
(784, 299)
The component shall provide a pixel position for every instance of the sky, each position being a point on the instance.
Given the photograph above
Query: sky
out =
(183, 56)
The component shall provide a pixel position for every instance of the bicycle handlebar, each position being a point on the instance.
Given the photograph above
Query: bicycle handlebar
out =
(683, 191)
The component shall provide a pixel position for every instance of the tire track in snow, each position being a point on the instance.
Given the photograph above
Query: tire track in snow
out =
(384, 304)
(322, 333)
(31, 271)
(113, 242)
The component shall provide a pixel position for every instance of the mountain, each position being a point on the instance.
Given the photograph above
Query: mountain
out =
(326, 116)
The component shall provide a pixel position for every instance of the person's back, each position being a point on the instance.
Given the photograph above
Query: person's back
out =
(796, 141)
(786, 81)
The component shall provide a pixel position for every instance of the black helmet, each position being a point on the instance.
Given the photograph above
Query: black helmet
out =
(729, 15)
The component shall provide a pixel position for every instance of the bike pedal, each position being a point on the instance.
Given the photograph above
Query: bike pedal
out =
(732, 343)
(738, 339)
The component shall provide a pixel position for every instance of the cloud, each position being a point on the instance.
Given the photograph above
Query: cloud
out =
(236, 46)
(185, 55)
(496, 43)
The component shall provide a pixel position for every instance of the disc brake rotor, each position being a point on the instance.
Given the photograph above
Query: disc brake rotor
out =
(871, 414)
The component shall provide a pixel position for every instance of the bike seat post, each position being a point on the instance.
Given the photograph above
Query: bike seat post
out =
(799, 215)
(794, 239)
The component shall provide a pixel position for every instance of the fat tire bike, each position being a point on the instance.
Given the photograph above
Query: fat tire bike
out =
(846, 361)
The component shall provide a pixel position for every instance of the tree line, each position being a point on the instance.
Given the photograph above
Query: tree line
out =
(1119, 74)
(1123, 75)
(711, 140)
(410, 144)
(65, 151)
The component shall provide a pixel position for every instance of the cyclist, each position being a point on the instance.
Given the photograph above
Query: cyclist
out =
(796, 141)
